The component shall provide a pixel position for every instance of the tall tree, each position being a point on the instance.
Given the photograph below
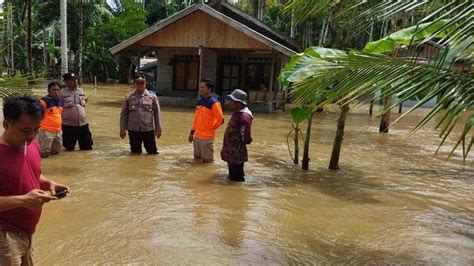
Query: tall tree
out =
(29, 38)
(81, 15)
(64, 57)
(81, 37)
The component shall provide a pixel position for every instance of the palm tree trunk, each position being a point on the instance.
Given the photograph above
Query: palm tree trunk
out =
(64, 59)
(292, 27)
(12, 66)
(371, 107)
(45, 54)
(371, 33)
(305, 160)
(336, 149)
(53, 35)
(309, 33)
(79, 50)
(321, 34)
(385, 122)
(29, 39)
(255, 5)
(326, 30)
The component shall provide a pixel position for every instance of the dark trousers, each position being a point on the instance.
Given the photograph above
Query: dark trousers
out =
(236, 172)
(148, 139)
(73, 134)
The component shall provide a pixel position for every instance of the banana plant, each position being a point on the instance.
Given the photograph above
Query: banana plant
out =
(297, 71)
(298, 115)
(356, 75)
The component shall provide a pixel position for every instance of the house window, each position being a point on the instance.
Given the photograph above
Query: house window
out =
(257, 76)
(230, 77)
(185, 72)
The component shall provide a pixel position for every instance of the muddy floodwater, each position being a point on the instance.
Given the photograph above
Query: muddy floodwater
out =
(393, 201)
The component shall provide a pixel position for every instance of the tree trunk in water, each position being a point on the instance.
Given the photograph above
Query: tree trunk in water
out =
(371, 108)
(64, 62)
(297, 149)
(385, 122)
(336, 148)
(29, 40)
(79, 50)
(400, 106)
(305, 160)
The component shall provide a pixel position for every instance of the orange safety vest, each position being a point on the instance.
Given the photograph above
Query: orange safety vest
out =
(52, 114)
(207, 118)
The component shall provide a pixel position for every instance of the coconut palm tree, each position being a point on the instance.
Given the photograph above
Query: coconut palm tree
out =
(357, 75)
(29, 37)
(64, 60)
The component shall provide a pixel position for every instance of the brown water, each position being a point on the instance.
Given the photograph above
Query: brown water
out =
(393, 201)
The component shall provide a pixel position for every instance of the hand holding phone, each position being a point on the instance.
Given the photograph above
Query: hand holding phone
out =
(60, 194)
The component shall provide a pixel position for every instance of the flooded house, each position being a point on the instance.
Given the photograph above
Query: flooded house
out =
(216, 41)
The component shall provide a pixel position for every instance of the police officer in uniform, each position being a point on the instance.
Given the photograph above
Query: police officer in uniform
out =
(74, 125)
(141, 117)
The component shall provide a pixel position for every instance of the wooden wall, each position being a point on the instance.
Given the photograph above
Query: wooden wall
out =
(201, 29)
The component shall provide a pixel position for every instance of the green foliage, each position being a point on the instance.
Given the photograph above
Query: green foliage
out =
(408, 36)
(128, 21)
(346, 78)
(304, 65)
(161, 9)
(274, 16)
(300, 114)
(102, 29)
(14, 85)
(359, 75)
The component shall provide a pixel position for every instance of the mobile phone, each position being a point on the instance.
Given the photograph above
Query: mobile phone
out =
(61, 194)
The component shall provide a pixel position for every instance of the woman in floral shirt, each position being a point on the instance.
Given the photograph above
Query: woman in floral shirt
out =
(237, 135)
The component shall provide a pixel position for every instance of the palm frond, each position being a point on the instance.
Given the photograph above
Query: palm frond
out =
(14, 85)
(386, 10)
(358, 75)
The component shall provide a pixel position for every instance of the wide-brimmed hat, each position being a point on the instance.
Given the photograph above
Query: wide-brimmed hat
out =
(140, 77)
(69, 76)
(238, 96)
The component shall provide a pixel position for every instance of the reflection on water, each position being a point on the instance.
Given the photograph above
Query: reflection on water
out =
(391, 202)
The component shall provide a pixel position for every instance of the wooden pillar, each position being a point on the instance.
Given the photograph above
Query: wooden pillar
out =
(280, 59)
(272, 73)
(244, 64)
(156, 71)
(201, 57)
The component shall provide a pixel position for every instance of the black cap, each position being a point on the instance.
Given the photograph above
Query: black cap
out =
(69, 76)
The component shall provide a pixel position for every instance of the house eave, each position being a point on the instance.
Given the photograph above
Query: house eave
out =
(139, 50)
